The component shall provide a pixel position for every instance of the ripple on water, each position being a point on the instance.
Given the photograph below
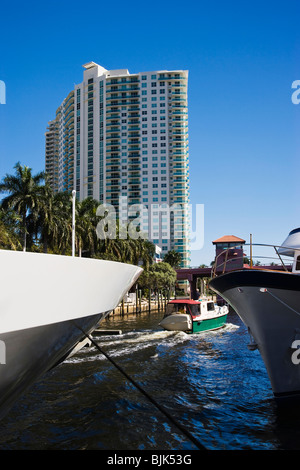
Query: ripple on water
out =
(210, 382)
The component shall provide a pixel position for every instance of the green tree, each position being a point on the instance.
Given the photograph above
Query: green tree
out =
(173, 258)
(160, 276)
(23, 194)
(41, 222)
(9, 222)
(85, 226)
(125, 249)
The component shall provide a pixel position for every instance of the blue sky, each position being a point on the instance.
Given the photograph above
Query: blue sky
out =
(242, 58)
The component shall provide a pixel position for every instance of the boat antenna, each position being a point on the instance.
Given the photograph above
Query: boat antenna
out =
(251, 260)
(73, 221)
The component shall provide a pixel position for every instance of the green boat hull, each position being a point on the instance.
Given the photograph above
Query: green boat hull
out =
(209, 324)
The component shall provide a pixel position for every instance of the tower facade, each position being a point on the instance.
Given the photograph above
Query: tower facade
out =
(124, 137)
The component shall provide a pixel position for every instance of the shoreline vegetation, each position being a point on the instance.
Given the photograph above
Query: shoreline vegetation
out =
(34, 218)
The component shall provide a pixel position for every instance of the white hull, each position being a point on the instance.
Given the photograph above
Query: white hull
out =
(47, 302)
(177, 322)
(269, 305)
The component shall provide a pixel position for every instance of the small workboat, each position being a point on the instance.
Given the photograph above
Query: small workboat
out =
(194, 316)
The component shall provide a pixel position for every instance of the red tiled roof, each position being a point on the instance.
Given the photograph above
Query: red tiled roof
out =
(229, 239)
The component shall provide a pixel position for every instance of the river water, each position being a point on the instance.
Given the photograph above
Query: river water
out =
(210, 383)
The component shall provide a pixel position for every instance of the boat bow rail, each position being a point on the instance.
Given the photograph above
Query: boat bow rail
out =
(223, 261)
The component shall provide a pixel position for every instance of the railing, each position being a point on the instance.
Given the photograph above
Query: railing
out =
(217, 267)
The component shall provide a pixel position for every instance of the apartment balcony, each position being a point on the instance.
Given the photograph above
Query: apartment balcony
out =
(130, 79)
(112, 129)
(179, 85)
(182, 111)
(182, 173)
(180, 166)
(179, 187)
(178, 120)
(113, 165)
(177, 101)
(134, 200)
(179, 139)
(133, 167)
(112, 161)
(118, 88)
(179, 124)
(178, 93)
(133, 192)
(113, 138)
(133, 148)
(179, 149)
(122, 102)
(112, 117)
(135, 187)
(182, 159)
(133, 181)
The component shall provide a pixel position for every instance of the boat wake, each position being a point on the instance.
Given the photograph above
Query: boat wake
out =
(123, 344)
(134, 341)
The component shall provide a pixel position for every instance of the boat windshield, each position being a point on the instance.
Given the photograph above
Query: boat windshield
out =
(176, 308)
(195, 310)
(182, 308)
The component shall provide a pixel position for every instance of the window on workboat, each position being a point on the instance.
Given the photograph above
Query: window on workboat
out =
(175, 308)
(210, 306)
(195, 310)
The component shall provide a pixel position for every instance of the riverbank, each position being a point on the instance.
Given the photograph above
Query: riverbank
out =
(127, 308)
(144, 306)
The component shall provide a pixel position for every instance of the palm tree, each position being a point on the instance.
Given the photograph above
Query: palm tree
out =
(61, 226)
(86, 221)
(144, 252)
(40, 221)
(23, 194)
(9, 230)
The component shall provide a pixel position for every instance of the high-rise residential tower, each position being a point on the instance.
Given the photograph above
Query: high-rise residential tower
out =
(121, 136)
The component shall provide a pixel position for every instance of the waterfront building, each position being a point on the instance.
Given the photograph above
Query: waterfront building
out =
(122, 139)
(51, 154)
